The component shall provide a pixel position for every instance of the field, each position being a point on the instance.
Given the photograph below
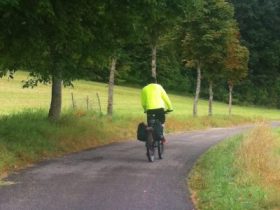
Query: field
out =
(13, 98)
(26, 136)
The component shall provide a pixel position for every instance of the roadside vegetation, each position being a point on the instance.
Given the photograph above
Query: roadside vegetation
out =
(27, 136)
(243, 173)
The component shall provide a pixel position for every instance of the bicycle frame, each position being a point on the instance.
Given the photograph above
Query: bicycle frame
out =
(153, 140)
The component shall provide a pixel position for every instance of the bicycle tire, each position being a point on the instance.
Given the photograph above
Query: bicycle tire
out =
(150, 147)
(160, 147)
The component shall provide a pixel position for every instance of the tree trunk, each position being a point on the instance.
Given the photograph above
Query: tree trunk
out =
(198, 82)
(55, 108)
(111, 87)
(230, 87)
(154, 61)
(210, 113)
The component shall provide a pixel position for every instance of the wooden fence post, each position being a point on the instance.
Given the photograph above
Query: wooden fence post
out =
(99, 103)
(87, 99)
(73, 101)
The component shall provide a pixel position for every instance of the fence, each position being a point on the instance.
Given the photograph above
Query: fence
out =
(98, 103)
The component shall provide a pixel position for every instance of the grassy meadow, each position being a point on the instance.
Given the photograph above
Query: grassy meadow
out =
(13, 98)
(241, 173)
(26, 136)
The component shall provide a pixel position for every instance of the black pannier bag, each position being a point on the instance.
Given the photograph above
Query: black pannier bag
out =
(142, 132)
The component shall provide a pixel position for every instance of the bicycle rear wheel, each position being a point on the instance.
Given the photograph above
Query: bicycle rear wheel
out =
(150, 147)
(160, 147)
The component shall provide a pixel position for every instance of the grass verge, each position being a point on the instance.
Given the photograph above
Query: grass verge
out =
(241, 173)
(29, 137)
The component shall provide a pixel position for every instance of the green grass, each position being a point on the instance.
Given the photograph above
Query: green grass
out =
(214, 181)
(26, 136)
(14, 98)
(29, 136)
(220, 181)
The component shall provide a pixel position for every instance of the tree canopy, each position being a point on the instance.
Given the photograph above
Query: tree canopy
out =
(259, 23)
(60, 41)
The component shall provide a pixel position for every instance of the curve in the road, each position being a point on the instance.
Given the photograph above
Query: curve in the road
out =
(116, 177)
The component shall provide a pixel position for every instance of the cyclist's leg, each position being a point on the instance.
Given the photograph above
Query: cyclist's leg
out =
(149, 116)
(161, 117)
(157, 114)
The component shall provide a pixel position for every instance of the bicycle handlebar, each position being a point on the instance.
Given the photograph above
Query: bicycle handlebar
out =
(165, 112)
(168, 111)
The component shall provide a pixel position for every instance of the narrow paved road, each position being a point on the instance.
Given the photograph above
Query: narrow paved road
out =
(115, 177)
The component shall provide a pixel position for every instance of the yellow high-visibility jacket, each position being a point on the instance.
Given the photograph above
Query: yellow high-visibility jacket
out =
(153, 96)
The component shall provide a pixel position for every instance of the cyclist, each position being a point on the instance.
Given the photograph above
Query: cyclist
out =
(155, 101)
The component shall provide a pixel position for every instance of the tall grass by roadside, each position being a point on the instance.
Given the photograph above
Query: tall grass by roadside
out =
(241, 173)
(259, 161)
(27, 137)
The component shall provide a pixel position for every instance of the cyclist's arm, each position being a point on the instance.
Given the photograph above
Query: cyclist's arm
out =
(166, 99)
(144, 100)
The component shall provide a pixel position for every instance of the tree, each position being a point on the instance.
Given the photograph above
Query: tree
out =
(259, 23)
(216, 67)
(236, 63)
(118, 27)
(205, 38)
(171, 74)
(5, 67)
(212, 74)
(159, 16)
(46, 38)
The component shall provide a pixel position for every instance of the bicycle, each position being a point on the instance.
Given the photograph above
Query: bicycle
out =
(154, 138)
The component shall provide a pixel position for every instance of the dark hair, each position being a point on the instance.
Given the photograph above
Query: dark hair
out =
(152, 80)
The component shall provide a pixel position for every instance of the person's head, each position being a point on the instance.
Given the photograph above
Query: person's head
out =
(152, 80)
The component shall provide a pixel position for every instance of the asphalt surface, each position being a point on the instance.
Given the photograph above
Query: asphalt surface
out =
(114, 177)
